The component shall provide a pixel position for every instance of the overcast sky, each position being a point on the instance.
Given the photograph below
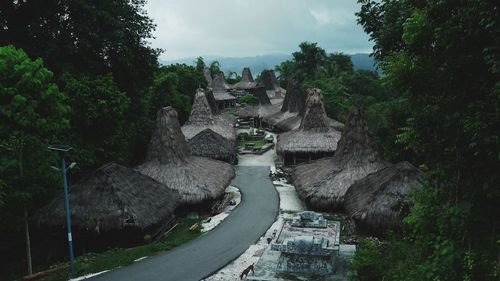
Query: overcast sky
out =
(238, 28)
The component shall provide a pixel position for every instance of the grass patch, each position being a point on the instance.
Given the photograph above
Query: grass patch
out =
(97, 262)
(258, 143)
(229, 110)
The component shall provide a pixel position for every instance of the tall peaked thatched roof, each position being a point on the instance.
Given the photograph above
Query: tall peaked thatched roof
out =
(246, 81)
(314, 134)
(315, 118)
(376, 202)
(209, 144)
(201, 118)
(201, 112)
(207, 75)
(261, 95)
(211, 101)
(290, 116)
(246, 75)
(263, 109)
(323, 183)
(294, 99)
(169, 161)
(219, 83)
(271, 84)
(111, 198)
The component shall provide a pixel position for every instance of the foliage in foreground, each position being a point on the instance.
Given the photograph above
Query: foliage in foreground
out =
(444, 56)
(97, 262)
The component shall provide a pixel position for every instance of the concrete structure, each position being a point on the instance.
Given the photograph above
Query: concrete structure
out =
(306, 254)
(307, 245)
(309, 219)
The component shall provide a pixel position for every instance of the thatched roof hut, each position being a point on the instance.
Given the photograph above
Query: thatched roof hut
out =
(219, 89)
(207, 75)
(113, 198)
(209, 144)
(211, 101)
(314, 138)
(271, 84)
(169, 161)
(219, 83)
(376, 202)
(246, 81)
(262, 109)
(290, 115)
(323, 183)
(202, 118)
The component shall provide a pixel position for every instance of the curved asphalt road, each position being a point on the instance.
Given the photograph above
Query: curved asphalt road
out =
(204, 256)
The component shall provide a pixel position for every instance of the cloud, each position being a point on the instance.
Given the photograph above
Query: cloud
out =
(190, 28)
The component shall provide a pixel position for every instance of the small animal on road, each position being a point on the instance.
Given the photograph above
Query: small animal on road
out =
(246, 271)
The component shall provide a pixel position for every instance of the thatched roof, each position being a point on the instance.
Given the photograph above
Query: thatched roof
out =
(314, 134)
(323, 183)
(271, 84)
(169, 161)
(207, 75)
(260, 94)
(209, 144)
(246, 81)
(219, 83)
(376, 202)
(111, 198)
(263, 109)
(223, 96)
(202, 118)
(290, 115)
(211, 101)
(294, 100)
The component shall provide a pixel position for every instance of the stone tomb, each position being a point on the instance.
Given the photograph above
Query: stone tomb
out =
(307, 244)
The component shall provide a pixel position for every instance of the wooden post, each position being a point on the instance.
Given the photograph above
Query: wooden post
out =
(294, 160)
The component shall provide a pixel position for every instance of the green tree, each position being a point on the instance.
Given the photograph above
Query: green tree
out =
(215, 68)
(98, 126)
(248, 99)
(309, 59)
(200, 64)
(174, 85)
(443, 56)
(233, 77)
(32, 113)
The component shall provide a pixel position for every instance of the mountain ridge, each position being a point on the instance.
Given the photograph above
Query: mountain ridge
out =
(261, 62)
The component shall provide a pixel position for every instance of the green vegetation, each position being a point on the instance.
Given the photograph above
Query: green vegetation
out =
(342, 86)
(443, 60)
(257, 143)
(248, 99)
(79, 73)
(97, 262)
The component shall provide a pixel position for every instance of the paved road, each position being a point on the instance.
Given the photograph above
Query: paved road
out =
(202, 257)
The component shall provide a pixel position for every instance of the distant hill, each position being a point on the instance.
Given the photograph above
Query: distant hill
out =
(259, 63)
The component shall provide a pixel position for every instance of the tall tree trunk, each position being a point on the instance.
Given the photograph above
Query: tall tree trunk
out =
(28, 243)
(26, 226)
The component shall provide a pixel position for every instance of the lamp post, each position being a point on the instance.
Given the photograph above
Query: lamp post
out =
(62, 150)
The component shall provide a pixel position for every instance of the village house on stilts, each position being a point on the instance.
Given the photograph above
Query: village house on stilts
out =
(322, 184)
(201, 118)
(169, 161)
(377, 202)
(113, 206)
(314, 138)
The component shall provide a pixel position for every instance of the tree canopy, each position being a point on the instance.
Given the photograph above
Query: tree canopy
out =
(443, 57)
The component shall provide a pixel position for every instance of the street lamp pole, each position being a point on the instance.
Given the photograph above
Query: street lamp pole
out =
(68, 218)
(62, 150)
